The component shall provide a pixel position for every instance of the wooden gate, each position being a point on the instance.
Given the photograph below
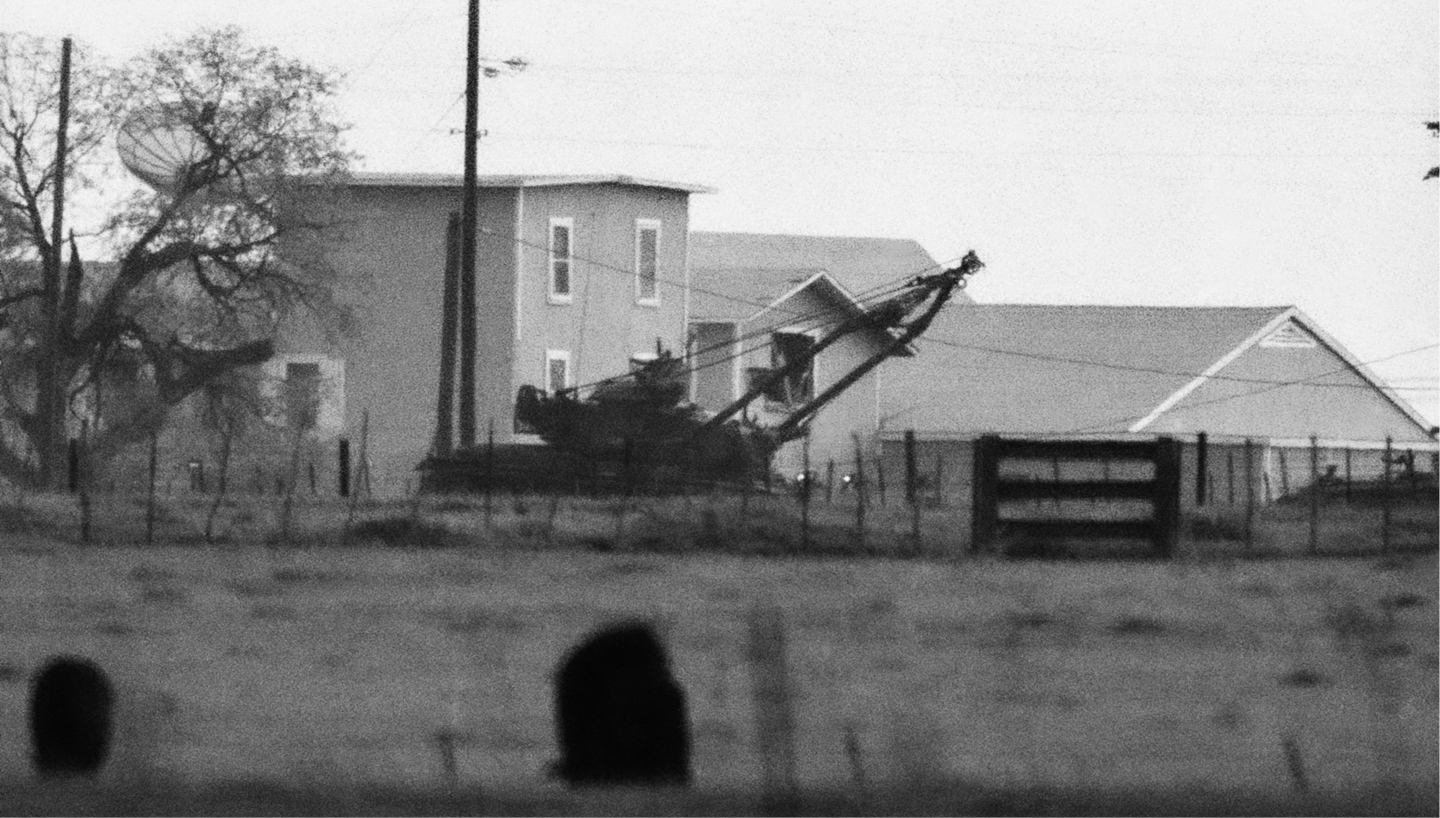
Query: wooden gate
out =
(991, 490)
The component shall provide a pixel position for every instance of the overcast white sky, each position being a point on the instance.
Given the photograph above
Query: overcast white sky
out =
(1117, 152)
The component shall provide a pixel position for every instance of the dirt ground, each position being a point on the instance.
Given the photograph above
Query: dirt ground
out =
(350, 669)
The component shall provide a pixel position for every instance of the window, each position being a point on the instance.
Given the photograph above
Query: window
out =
(562, 259)
(304, 391)
(302, 395)
(798, 386)
(557, 371)
(647, 256)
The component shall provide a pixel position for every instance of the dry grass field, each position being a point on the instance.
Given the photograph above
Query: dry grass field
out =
(319, 678)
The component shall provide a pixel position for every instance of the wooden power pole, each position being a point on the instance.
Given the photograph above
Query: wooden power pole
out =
(468, 218)
(445, 403)
(50, 403)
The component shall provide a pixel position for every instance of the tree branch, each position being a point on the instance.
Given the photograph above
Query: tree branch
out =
(196, 368)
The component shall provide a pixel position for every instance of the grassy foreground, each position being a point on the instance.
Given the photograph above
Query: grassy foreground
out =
(272, 799)
(324, 680)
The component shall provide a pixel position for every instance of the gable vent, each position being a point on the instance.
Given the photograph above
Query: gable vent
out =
(1289, 336)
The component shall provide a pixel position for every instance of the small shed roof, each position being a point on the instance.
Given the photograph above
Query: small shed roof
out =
(742, 295)
(737, 293)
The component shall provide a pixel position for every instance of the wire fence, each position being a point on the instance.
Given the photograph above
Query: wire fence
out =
(1238, 497)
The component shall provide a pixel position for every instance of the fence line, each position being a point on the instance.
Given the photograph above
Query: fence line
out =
(1245, 492)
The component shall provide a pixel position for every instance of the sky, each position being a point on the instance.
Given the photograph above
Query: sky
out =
(1228, 152)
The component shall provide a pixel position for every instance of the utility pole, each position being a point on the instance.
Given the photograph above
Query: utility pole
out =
(445, 403)
(468, 216)
(49, 403)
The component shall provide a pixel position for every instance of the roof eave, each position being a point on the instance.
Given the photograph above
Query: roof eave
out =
(450, 180)
(823, 277)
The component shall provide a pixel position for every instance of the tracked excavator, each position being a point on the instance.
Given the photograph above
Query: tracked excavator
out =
(637, 432)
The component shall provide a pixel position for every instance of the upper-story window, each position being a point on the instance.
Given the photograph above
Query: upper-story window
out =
(647, 261)
(562, 259)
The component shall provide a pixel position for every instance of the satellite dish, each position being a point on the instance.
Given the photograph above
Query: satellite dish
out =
(160, 146)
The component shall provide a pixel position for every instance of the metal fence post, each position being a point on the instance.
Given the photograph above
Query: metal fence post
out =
(983, 515)
(1385, 500)
(805, 482)
(344, 466)
(1411, 473)
(1230, 472)
(1202, 467)
(911, 490)
(1284, 473)
(1249, 493)
(1314, 495)
(1167, 494)
(1347, 474)
(859, 495)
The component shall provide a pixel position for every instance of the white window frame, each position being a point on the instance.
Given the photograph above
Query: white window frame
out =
(653, 299)
(552, 295)
(558, 355)
(330, 417)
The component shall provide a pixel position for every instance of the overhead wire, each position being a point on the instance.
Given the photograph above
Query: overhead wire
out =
(815, 320)
(628, 272)
(1226, 398)
(1041, 356)
(1202, 110)
(888, 288)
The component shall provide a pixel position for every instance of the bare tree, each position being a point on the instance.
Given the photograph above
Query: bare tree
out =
(232, 404)
(199, 286)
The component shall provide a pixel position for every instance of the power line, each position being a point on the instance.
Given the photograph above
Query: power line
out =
(628, 272)
(938, 151)
(802, 316)
(433, 128)
(809, 322)
(1108, 111)
(951, 79)
(1226, 398)
(1150, 370)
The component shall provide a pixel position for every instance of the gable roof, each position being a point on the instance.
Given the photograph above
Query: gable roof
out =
(1042, 369)
(747, 294)
(860, 264)
(369, 179)
(1022, 367)
(739, 293)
